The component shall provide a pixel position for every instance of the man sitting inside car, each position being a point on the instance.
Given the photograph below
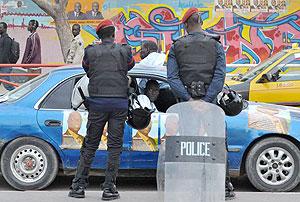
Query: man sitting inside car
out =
(151, 94)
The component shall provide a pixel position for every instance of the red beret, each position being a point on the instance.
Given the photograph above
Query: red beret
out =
(189, 13)
(104, 24)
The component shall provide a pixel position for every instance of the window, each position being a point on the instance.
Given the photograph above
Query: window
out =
(166, 97)
(261, 67)
(60, 97)
(288, 70)
(24, 89)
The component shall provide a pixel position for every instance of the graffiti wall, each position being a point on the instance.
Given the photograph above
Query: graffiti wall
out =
(251, 30)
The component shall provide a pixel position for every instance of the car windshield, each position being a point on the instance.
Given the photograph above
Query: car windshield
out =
(23, 89)
(261, 67)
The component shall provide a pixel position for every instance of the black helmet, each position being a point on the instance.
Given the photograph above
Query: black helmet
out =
(231, 102)
(138, 118)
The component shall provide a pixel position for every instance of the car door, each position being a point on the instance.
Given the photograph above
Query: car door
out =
(144, 143)
(283, 86)
(67, 128)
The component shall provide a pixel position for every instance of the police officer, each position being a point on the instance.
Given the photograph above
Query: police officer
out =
(196, 66)
(106, 65)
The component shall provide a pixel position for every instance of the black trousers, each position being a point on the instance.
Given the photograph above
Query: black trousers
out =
(95, 126)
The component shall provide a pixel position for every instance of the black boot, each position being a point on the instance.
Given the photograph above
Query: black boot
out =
(110, 194)
(80, 182)
(229, 190)
(77, 192)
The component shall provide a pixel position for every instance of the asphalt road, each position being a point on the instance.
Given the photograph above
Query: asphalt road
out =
(131, 190)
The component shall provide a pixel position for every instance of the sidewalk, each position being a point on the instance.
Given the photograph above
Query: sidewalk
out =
(132, 196)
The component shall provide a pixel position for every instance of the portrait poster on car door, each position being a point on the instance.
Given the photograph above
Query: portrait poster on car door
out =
(161, 126)
(147, 139)
(269, 118)
(74, 130)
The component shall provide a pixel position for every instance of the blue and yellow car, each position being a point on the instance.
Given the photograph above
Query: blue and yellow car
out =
(40, 134)
(276, 80)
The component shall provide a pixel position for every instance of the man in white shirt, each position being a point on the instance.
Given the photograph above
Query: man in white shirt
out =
(150, 59)
(151, 94)
(77, 100)
(76, 51)
(150, 56)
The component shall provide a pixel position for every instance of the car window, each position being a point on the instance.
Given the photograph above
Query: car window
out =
(24, 89)
(166, 97)
(261, 67)
(60, 97)
(288, 70)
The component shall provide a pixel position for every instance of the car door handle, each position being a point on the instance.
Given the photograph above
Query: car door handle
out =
(52, 123)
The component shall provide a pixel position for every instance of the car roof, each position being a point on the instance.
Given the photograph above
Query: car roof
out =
(137, 69)
(159, 71)
(68, 69)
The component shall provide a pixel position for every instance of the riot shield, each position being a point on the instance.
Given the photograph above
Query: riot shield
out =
(191, 163)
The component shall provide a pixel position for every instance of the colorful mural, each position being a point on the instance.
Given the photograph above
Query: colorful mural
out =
(251, 31)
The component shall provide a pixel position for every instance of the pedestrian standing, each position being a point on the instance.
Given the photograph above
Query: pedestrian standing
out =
(76, 50)
(5, 51)
(32, 54)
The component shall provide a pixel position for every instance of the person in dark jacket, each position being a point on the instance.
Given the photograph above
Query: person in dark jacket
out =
(5, 51)
(32, 54)
(106, 65)
(197, 75)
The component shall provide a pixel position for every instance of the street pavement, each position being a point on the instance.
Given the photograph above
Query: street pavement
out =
(131, 190)
(133, 196)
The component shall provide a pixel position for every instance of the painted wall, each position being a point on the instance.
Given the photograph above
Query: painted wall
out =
(251, 30)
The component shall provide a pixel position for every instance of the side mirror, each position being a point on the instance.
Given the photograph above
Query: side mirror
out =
(265, 78)
(276, 75)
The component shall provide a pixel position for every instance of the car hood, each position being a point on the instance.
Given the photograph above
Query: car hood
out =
(3, 98)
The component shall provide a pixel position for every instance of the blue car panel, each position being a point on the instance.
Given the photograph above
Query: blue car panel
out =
(28, 118)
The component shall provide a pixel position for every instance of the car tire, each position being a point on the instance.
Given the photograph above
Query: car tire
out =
(29, 163)
(273, 165)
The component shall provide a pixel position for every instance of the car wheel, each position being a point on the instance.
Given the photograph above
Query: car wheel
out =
(29, 163)
(273, 165)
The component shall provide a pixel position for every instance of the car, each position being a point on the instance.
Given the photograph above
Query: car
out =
(38, 135)
(276, 80)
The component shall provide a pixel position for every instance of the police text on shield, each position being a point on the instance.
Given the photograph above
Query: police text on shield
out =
(194, 148)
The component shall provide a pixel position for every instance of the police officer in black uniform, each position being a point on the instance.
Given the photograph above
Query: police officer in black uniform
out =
(196, 67)
(106, 65)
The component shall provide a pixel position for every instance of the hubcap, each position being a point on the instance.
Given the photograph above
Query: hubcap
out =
(28, 163)
(275, 166)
